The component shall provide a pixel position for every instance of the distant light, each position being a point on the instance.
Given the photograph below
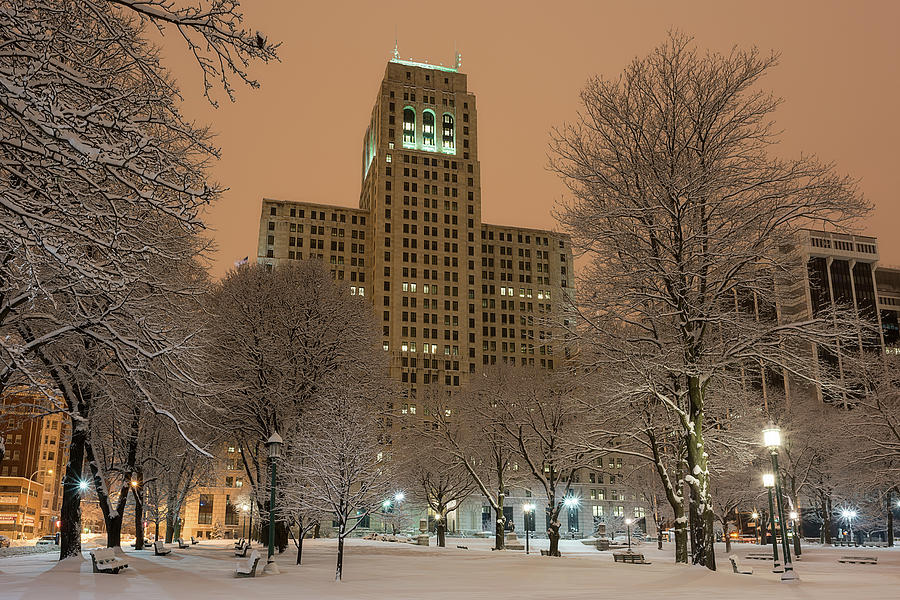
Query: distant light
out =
(399, 496)
(386, 504)
(437, 517)
(768, 480)
(772, 437)
(528, 508)
(570, 502)
(794, 515)
(629, 521)
(134, 483)
(755, 515)
(58, 524)
(848, 514)
(82, 485)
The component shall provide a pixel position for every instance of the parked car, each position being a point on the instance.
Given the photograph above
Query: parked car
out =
(4, 541)
(47, 541)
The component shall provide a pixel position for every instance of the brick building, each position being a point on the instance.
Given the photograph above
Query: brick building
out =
(33, 466)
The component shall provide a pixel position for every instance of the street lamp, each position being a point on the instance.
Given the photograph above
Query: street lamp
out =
(772, 441)
(628, 523)
(244, 509)
(755, 517)
(273, 445)
(769, 483)
(529, 523)
(848, 515)
(27, 497)
(399, 496)
(795, 527)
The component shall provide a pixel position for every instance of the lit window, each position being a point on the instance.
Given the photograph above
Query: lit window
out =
(428, 128)
(409, 126)
(447, 138)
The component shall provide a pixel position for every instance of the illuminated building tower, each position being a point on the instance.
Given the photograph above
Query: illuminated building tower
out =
(452, 293)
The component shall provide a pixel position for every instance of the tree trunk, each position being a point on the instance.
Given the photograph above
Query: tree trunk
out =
(681, 534)
(340, 557)
(170, 526)
(499, 529)
(441, 531)
(113, 531)
(826, 518)
(138, 521)
(659, 534)
(890, 519)
(697, 459)
(299, 545)
(553, 530)
(70, 511)
(726, 536)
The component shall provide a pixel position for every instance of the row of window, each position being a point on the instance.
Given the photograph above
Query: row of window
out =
(321, 215)
(428, 131)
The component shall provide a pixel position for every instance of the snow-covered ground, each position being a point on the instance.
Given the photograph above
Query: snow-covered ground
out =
(391, 571)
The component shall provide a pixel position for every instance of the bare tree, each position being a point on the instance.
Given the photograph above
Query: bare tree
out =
(545, 426)
(339, 459)
(434, 477)
(278, 339)
(469, 426)
(102, 177)
(682, 212)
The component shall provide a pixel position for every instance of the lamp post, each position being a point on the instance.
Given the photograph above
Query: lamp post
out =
(529, 523)
(385, 508)
(772, 440)
(628, 523)
(27, 497)
(795, 517)
(769, 483)
(571, 504)
(244, 509)
(274, 445)
(755, 517)
(848, 516)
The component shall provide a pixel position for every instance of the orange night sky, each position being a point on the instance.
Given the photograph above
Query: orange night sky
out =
(298, 138)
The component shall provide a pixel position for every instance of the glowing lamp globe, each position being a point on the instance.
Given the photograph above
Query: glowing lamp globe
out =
(768, 480)
(772, 436)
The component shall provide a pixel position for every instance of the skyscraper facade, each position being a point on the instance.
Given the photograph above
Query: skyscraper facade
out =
(451, 292)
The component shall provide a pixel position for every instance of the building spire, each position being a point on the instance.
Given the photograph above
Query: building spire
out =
(396, 44)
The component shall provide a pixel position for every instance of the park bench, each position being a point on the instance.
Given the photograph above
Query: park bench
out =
(239, 543)
(760, 556)
(630, 557)
(737, 569)
(547, 553)
(242, 551)
(248, 568)
(181, 544)
(105, 560)
(193, 541)
(159, 548)
(862, 560)
(463, 547)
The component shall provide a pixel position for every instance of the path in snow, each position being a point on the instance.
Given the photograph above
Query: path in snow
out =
(391, 571)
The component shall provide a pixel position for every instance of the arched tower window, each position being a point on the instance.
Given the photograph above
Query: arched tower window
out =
(428, 128)
(447, 139)
(409, 125)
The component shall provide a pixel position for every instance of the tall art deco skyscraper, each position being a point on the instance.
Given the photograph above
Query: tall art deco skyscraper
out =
(452, 293)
